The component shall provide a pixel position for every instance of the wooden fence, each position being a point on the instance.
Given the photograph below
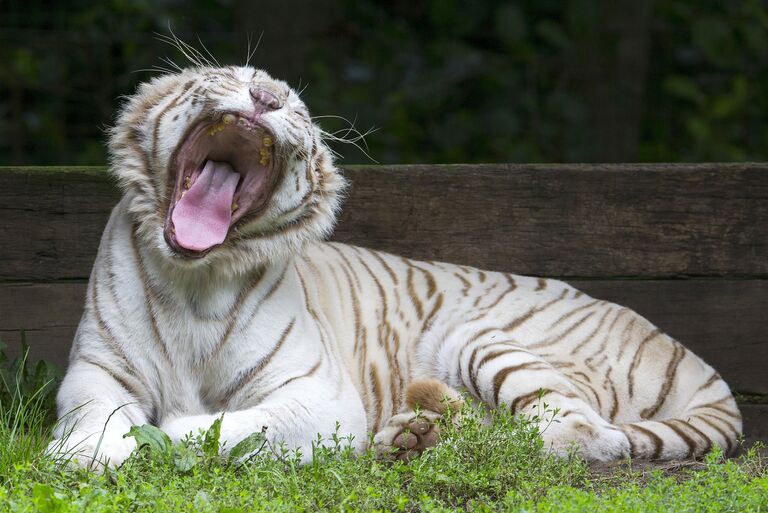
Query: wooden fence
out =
(685, 245)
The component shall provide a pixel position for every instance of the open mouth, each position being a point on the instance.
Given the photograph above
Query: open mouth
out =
(223, 171)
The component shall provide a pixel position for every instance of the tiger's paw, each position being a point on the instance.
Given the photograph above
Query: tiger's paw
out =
(592, 441)
(93, 451)
(407, 435)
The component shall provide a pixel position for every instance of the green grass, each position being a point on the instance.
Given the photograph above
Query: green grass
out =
(476, 468)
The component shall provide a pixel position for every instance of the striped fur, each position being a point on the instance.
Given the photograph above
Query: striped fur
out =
(276, 328)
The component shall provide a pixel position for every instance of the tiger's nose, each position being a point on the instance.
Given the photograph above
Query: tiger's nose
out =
(264, 99)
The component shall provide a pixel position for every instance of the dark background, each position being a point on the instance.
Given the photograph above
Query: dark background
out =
(442, 80)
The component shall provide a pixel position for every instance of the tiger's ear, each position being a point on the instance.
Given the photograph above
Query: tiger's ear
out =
(433, 395)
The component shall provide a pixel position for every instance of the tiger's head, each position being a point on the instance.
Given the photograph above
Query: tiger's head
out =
(223, 167)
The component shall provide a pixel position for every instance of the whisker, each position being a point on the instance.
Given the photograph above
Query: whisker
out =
(248, 51)
(191, 53)
(170, 62)
(197, 53)
(174, 43)
(251, 53)
(153, 69)
(351, 129)
(163, 70)
(200, 57)
(333, 137)
(302, 89)
(208, 51)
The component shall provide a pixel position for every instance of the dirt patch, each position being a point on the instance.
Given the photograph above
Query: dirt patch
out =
(642, 469)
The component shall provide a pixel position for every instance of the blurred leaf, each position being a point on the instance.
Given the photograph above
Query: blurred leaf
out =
(553, 34)
(510, 24)
(755, 36)
(249, 446)
(699, 129)
(684, 88)
(184, 457)
(210, 445)
(731, 102)
(153, 437)
(46, 499)
(715, 39)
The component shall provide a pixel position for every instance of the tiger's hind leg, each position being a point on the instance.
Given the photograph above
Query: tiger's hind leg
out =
(410, 432)
(567, 422)
(682, 413)
(502, 374)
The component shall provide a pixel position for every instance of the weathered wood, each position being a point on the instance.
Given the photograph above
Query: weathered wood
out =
(568, 220)
(48, 313)
(559, 220)
(721, 320)
(51, 221)
(755, 418)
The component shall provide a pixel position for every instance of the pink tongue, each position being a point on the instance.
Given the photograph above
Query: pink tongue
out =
(201, 218)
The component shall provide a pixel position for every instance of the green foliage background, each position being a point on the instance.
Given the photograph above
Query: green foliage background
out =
(442, 80)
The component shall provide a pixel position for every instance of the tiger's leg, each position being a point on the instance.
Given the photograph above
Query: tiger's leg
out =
(292, 417)
(98, 402)
(413, 430)
(682, 406)
(502, 374)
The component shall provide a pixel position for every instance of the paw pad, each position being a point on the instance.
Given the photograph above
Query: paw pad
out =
(407, 435)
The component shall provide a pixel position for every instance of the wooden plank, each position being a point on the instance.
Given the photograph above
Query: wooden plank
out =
(755, 423)
(721, 320)
(545, 220)
(51, 221)
(568, 220)
(47, 312)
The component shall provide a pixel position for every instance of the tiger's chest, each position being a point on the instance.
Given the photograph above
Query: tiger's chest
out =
(193, 346)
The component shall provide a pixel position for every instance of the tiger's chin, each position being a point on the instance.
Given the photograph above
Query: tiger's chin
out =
(222, 177)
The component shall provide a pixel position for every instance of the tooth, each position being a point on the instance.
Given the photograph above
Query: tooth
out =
(228, 119)
(215, 129)
(187, 182)
(264, 152)
(264, 160)
(267, 141)
(234, 207)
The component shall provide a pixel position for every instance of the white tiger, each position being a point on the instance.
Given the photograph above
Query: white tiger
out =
(212, 293)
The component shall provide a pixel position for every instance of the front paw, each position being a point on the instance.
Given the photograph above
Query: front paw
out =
(91, 450)
(180, 428)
